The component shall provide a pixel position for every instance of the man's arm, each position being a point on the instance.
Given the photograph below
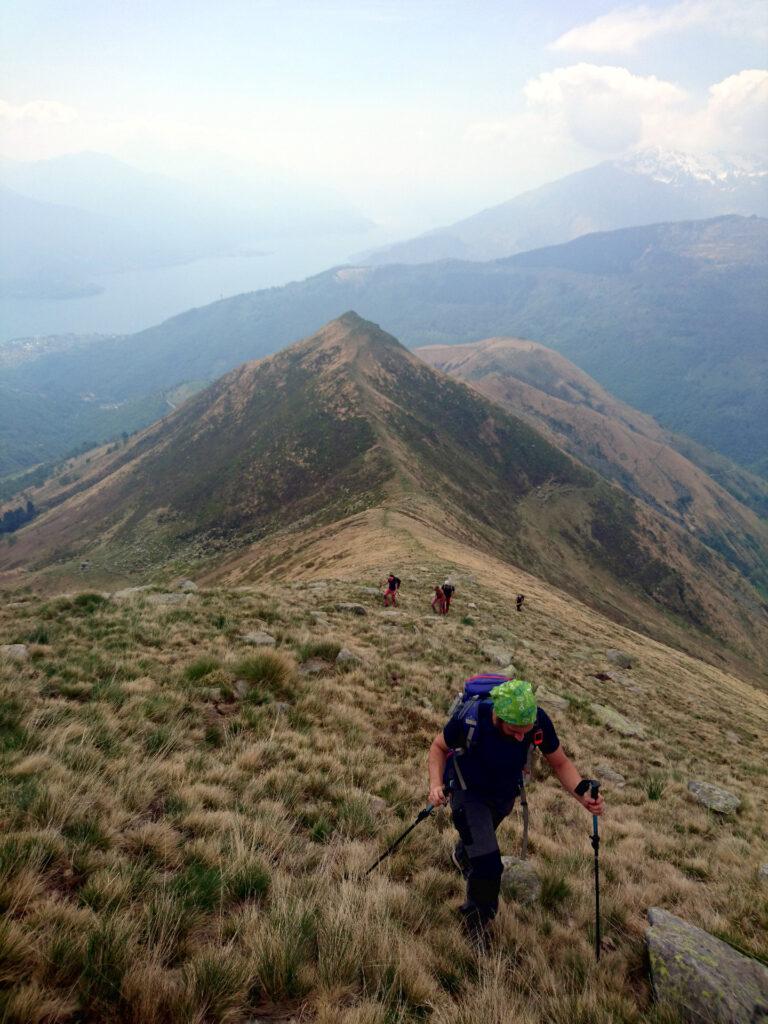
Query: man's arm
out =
(569, 777)
(438, 754)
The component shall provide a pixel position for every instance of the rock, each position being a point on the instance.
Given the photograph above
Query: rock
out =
(497, 656)
(378, 805)
(471, 604)
(313, 666)
(618, 723)
(188, 586)
(241, 688)
(353, 609)
(129, 593)
(347, 657)
(15, 652)
(762, 874)
(713, 797)
(620, 658)
(519, 881)
(258, 639)
(732, 737)
(604, 772)
(281, 706)
(702, 978)
(550, 699)
(168, 599)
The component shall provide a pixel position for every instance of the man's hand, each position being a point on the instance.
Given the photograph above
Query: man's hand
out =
(437, 795)
(593, 806)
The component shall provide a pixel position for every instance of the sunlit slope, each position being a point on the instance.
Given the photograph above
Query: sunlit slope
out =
(619, 442)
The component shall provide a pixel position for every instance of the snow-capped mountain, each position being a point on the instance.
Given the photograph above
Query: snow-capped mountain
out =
(649, 187)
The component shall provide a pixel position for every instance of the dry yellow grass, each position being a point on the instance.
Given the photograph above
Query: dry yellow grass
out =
(174, 852)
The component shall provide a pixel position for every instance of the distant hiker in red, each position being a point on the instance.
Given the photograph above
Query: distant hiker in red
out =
(390, 593)
(439, 600)
(519, 602)
(448, 590)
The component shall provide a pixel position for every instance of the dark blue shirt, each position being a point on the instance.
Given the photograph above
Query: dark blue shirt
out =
(493, 765)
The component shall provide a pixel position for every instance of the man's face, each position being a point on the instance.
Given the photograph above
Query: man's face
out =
(514, 732)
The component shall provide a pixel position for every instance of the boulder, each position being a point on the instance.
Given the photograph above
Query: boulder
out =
(604, 772)
(129, 593)
(762, 874)
(620, 658)
(550, 699)
(241, 688)
(617, 723)
(713, 797)
(497, 656)
(188, 587)
(258, 639)
(347, 657)
(352, 609)
(313, 667)
(377, 805)
(471, 605)
(702, 978)
(519, 881)
(15, 652)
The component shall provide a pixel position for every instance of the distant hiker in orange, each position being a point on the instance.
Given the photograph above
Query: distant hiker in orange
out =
(392, 585)
(439, 600)
(448, 590)
(519, 602)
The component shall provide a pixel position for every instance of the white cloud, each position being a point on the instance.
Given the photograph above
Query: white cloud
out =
(602, 108)
(624, 29)
(38, 112)
(736, 115)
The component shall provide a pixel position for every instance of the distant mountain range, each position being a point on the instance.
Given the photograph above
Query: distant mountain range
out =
(671, 318)
(650, 187)
(348, 426)
(72, 218)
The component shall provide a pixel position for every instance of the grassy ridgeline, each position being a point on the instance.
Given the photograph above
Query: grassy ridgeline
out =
(187, 818)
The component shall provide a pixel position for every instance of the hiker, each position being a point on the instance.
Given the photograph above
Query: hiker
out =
(478, 759)
(519, 602)
(392, 585)
(448, 590)
(439, 600)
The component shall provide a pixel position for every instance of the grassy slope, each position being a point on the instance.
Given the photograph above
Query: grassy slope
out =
(173, 853)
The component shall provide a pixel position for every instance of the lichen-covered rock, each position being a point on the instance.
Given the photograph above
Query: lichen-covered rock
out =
(519, 881)
(313, 667)
(713, 797)
(550, 699)
(352, 609)
(497, 656)
(258, 639)
(188, 586)
(620, 658)
(15, 652)
(347, 657)
(762, 874)
(604, 772)
(702, 978)
(618, 723)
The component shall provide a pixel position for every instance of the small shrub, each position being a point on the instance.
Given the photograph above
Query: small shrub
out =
(200, 668)
(87, 604)
(249, 882)
(269, 671)
(199, 886)
(555, 890)
(325, 649)
(467, 620)
(655, 785)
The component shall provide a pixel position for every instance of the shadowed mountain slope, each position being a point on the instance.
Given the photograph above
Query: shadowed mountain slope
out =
(347, 428)
(671, 318)
(617, 441)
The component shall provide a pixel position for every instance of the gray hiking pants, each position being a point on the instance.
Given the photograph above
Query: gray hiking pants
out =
(476, 819)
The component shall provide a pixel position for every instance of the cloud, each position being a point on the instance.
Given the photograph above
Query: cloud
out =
(39, 112)
(736, 114)
(602, 108)
(624, 29)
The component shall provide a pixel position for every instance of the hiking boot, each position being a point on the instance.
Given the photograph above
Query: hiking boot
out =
(460, 860)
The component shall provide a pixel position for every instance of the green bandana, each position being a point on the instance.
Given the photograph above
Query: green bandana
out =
(514, 702)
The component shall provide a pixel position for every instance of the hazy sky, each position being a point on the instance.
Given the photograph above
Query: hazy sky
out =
(416, 110)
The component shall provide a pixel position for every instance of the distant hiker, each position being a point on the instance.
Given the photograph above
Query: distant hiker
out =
(392, 585)
(519, 602)
(479, 759)
(448, 590)
(439, 600)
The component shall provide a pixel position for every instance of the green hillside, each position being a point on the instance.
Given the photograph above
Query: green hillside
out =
(671, 318)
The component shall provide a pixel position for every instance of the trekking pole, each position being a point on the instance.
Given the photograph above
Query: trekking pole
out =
(594, 787)
(419, 818)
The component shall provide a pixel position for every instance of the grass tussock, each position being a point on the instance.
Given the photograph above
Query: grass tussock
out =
(187, 827)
